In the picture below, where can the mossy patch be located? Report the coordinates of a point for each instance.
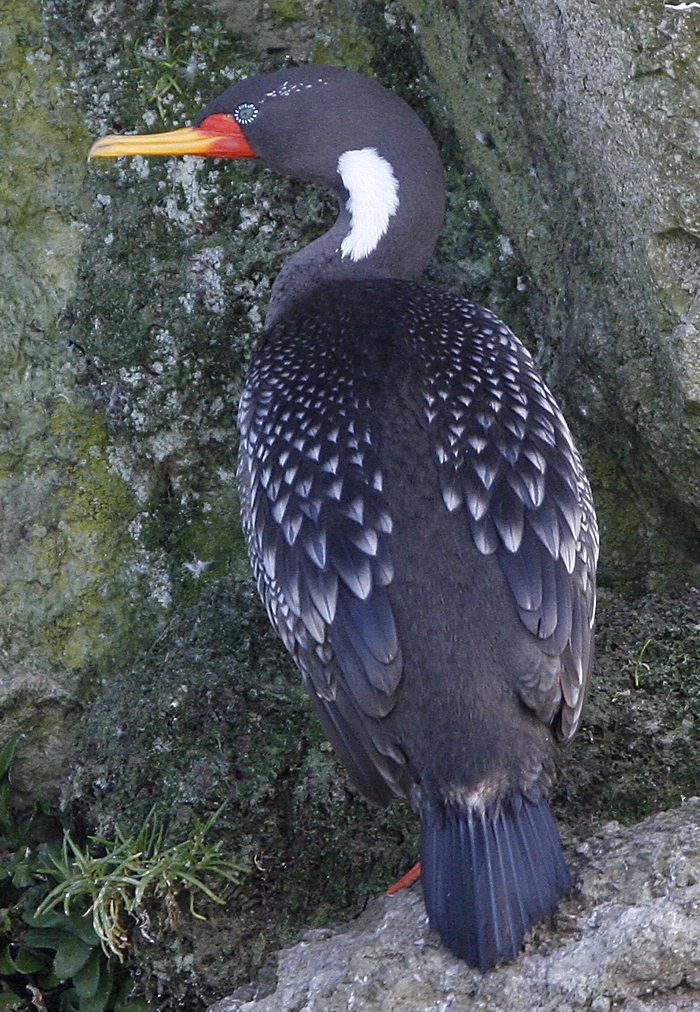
(88, 550)
(68, 579)
(285, 11)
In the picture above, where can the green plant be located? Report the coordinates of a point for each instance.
(167, 65)
(66, 911)
(13, 832)
(57, 957)
(164, 69)
(640, 664)
(78, 973)
(130, 871)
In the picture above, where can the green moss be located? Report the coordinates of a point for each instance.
(349, 48)
(352, 51)
(284, 11)
(40, 134)
(344, 40)
(92, 493)
(68, 585)
(88, 548)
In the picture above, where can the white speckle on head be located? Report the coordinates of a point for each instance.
(287, 88)
(373, 200)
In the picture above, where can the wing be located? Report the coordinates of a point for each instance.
(317, 529)
(505, 455)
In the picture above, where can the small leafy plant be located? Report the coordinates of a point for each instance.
(640, 665)
(130, 871)
(75, 972)
(67, 911)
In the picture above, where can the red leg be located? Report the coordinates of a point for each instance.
(408, 879)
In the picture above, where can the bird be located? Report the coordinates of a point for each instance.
(418, 518)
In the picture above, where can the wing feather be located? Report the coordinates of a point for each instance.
(318, 531)
(505, 455)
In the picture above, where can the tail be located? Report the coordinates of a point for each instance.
(489, 876)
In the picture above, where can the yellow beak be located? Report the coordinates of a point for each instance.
(219, 136)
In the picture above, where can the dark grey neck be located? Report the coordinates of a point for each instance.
(321, 261)
(310, 267)
(402, 252)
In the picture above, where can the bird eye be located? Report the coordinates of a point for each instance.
(245, 113)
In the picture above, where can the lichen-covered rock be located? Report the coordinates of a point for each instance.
(628, 938)
(75, 588)
(581, 119)
(302, 30)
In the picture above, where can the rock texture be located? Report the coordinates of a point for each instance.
(582, 119)
(628, 939)
(71, 589)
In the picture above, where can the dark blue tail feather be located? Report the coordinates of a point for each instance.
(489, 876)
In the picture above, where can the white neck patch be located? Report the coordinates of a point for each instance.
(373, 200)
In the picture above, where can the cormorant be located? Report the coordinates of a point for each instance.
(418, 518)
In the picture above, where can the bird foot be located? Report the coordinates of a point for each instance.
(407, 880)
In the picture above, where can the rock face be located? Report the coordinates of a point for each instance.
(629, 938)
(582, 119)
(71, 591)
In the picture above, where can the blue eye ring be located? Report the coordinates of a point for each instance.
(245, 113)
